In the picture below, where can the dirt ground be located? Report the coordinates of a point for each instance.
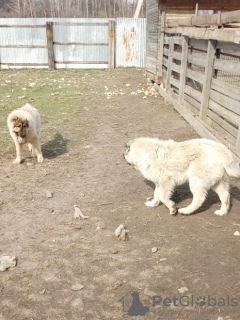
(195, 272)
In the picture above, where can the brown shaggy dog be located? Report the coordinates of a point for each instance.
(24, 127)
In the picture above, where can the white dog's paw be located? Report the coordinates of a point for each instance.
(151, 204)
(17, 161)
(184, 211)
(173, 211)
(220, 212)
(40, 158)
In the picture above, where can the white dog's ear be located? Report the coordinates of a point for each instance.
(126, 148)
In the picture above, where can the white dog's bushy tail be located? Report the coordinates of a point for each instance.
(233, 169)
(231, 166)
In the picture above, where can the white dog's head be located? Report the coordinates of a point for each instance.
(19, 126)
(140, 151)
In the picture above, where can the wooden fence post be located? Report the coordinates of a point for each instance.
(160, 49)
(111, 41)
(50, 45)
(169, 64)
(183, 68)
(238, 141)
(207, 79)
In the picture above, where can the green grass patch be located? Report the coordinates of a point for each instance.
(59, 95)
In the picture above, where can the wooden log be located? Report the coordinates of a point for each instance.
(50, 45)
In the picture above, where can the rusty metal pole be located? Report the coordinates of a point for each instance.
(111, 44)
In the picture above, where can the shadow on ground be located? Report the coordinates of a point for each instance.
(55, 147)
(182, 193)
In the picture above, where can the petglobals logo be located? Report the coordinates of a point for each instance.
(135, 304)
(191, 301)
(132, 306)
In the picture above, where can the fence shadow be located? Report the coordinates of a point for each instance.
(55, 147)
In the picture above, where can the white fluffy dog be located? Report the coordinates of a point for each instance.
(204, 163)
(24, 127)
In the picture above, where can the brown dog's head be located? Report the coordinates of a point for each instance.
(20, 126)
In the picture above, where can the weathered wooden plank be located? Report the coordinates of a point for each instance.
(179, 22)
(228, 46)
(176, 67)
(226, 89)
(190, 107)
(222, 123)
(193, 93)
(199, 77)
(161, 46)
(49, 32)
(225, 35)
(226, 102)
(177, 55)
(166, 52)
(199, 44)
(177, 40)
(152, 35)
(203, 129)
(197, 60)
(207, 79)
(222, 134)
(175, 82)
(165, 62)
(167, 40)
(169, 64)
(207, 20)
(227, 65)
(183, 70)
(193, 102)
(225, 113)
(238, 141)
(111, 41)
(173, 30)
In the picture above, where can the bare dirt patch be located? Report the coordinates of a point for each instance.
(87, 116)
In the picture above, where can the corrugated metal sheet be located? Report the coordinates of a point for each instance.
(75, 46)
(130, 42)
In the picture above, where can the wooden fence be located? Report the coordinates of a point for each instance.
(199, 72)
